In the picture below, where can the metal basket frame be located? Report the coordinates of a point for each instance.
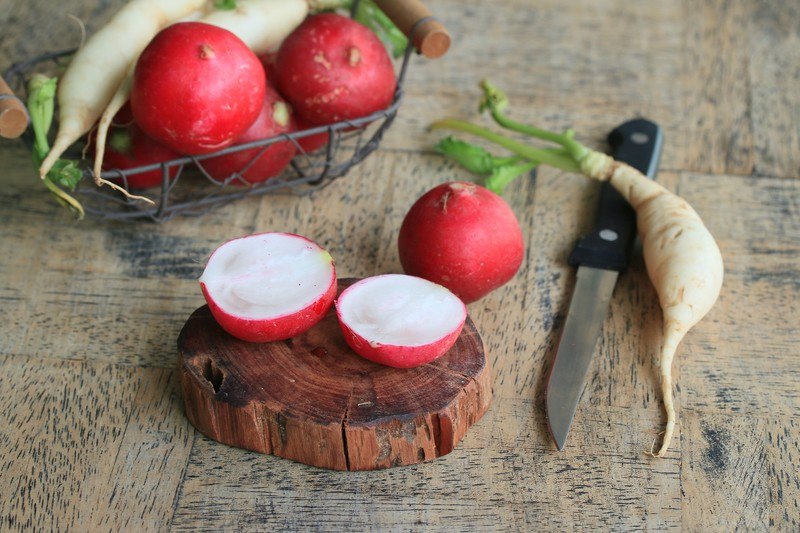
(306, 173)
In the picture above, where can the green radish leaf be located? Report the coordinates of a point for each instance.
(472, 157)
(66, 174)
(503, 175)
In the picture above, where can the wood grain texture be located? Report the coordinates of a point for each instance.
(93, 435)
(89, 446)
(313, 400)
(503, 477)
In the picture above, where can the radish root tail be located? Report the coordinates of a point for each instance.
(672, 336)
(117, 102)
(100, 182)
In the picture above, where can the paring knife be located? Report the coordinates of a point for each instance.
(600, 256)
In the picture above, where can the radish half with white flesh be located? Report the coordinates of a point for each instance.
(400, 321)
(269, 286)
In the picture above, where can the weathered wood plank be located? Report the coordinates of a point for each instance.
(505, 475)
(717, 120)
(774, 66)
(742, 357)
(89, 446)
(34, 27)
(783, 449)
(724, 473)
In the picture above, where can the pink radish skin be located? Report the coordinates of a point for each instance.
(462, 236)
(332, 68)
(277, 255)
(363, 339)
(398, 356)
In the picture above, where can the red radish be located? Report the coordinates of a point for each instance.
(268, 61)
(269, 286)
(197, 87)
(462, 236)
(275, 118)
(310, 143)
(398, 320)
(332, 68)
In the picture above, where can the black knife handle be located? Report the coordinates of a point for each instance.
(638, 143)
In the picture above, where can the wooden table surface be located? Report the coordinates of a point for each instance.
(92, 430)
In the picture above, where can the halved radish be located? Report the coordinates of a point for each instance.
(269, 286)
(398, 320)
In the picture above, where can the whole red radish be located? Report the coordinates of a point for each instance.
(332, 68)
(269, 286)
(398, 320)
(462, 236)
(275, 118)
(196, 88)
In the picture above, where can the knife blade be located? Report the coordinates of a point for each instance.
(599, 256)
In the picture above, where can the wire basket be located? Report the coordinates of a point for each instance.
(188, 189)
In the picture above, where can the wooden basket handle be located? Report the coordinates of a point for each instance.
(431, 38)
(13, 115)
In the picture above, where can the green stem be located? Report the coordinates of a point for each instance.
(225, 5)
(496, 101)
(510, 160)
(548, 157)
(41, 106)
(328, 5)
(41, 97)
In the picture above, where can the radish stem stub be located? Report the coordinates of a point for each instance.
(398, 320)
(269, 286)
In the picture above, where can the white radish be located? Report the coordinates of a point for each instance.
(98, 68)
(261, 24)
(682, 258)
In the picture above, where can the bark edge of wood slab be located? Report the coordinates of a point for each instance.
(311, 399)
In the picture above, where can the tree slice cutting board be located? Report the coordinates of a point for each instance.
(313, 400)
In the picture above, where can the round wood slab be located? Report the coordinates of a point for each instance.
(313, 400)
